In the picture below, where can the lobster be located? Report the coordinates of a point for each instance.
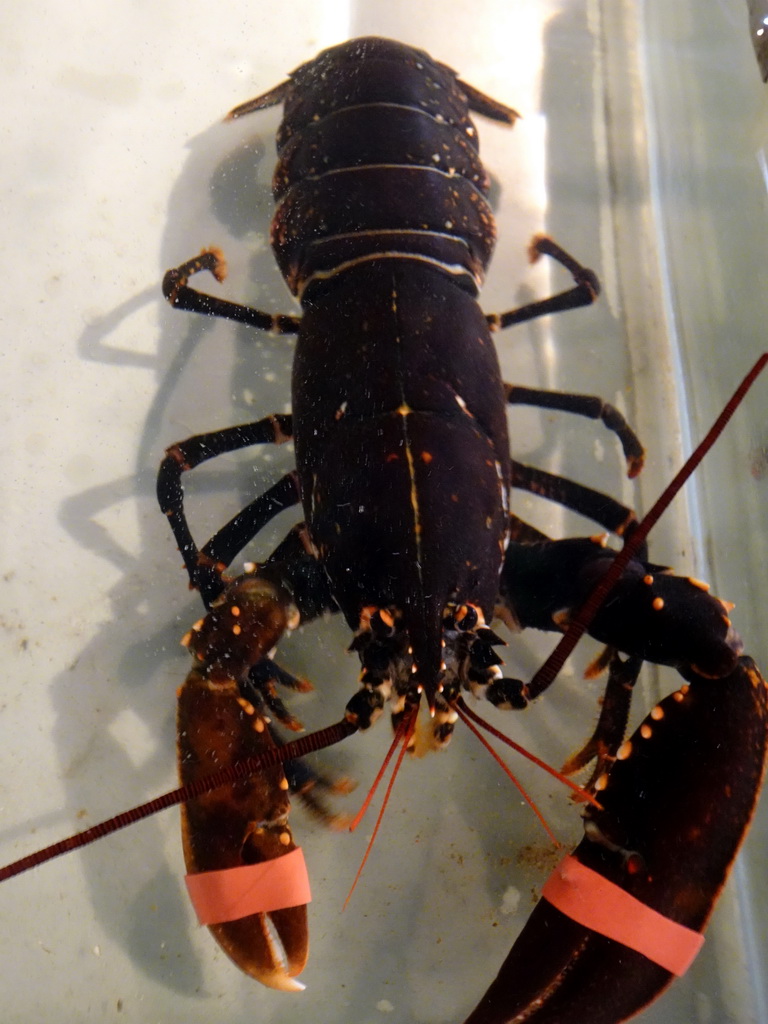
(403, 471)
(383, 231)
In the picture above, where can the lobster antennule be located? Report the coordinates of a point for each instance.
(700, 754)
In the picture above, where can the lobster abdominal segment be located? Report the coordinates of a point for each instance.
(376, 119)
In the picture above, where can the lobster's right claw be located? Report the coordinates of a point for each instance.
(676, 807)
(270, 945)
(251, 948)
(243, 864)
(247, 878)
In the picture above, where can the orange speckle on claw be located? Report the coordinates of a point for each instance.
(698, 583)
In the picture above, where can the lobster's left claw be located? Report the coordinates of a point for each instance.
(675, 810)
(236, 826)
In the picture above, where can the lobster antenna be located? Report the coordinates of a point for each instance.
(510, 775)
(406, 729)
(466, 713)
(226, 776)
(399, 733)
(583, 618)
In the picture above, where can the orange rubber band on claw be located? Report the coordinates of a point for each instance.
(230, 894)
(591, 900)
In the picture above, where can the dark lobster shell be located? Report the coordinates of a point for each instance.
(384, 231)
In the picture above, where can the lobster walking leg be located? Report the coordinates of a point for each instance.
(181, 296)
(205, 566)
(697, 759)
(590, 406)
(608, 512)
(584, 293)
(611, 725)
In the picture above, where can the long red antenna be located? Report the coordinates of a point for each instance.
(511, 776)
(466, 714)
(403, 727)
(406, 730)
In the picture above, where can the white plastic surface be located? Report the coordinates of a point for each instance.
(115, 167)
